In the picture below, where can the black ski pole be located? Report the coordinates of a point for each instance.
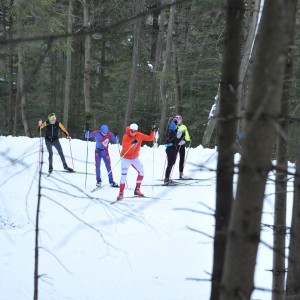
(87, 127)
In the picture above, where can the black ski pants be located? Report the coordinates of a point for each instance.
(56, 144)
(171, 156)
(181, 158)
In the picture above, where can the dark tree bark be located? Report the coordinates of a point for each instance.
(177, 84)
(68, 66)
(279, 268)
(155, 99)
(212, 121)
(87, 60)
(293, 274)
(10, 92)
(21, 79)
(139, 4)
(51, 105)
(226, 134)
(155, 30)
(251, 24)
(166, 68)
(262, 112)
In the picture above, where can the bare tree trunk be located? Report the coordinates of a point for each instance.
(68, 66)
(21, 78)
(212, 121)
(157, 61)
(87, 61)
(11, 103)
(166, 68)
(139, 4)
(293, 274)
(155, 30)
(52, 104)
(252, 24)
(282, 161)
(263, 109)
(279, 229)
(226, 134)
(177, 85)
(102, 69)
(17, 106)
(78, 62)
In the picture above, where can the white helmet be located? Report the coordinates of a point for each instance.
(134, 127)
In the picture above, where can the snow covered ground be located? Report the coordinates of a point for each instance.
(139, 249)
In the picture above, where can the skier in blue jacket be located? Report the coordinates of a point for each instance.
(102, 137)
(171, 149)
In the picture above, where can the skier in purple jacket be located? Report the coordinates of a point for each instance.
(102, 137)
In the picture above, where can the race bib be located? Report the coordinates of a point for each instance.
(105, 142)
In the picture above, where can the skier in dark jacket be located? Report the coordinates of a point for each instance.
(52, 127)
(172, 149)
(184, 139)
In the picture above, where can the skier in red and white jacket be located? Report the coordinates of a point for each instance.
(131, 145)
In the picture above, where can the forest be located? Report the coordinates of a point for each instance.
(109, 62)
(230, 68)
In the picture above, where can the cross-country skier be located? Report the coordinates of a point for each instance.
(52, 127)
(184, 139)
(102, 137)
(131, 144)
(172, 149)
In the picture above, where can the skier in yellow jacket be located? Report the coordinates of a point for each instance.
(184, 139)
(52, 127)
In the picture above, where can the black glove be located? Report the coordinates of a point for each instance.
(134, 141)
(115, 133)
(87, 126)
(154, 128)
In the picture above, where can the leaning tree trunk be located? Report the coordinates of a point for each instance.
(252, 24)
(139, 4)
(212, 121)
(226, 135)
(262, 112)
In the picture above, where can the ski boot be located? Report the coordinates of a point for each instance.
(67, 168)
(137, 192)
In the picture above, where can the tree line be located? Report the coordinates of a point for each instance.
(114, 63)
